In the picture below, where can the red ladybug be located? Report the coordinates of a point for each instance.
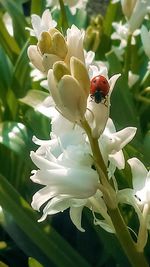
(99, 88)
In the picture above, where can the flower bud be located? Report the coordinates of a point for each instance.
(59, 45)
(48, 60)
(45, 43)
(68, 95)
(79, 72)
(127, 7)
(60, 69)
(35, 57)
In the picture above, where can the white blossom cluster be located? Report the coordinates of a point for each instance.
(66, 166)
(135, 11)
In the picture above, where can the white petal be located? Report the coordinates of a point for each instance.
(47, 20)
(126, 196)
(75, 44)
(112, 82)
(139, 173)
(145, 36)
(36, 22)
(79, 183)
(42, 196)
(76, 216)
(57, 204)
(43, 163)
(97, 116)
(138, 14)
(53, 88)
(124, 136)
(117, 159)
(105, 226)
(35, 57)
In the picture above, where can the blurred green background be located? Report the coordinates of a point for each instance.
(57, 242)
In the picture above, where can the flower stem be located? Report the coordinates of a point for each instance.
(136, 258)
(142, 235)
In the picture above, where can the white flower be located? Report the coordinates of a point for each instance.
(141, 184)
(98, 114)
(75, 44)
(72, 4)
(122, 33)
(145, 36)
(139, 198)
(42, 24)
(112, 143)
(141, 181)
(135, 11)
(68, 179)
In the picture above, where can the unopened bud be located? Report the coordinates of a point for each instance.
(45, 43)
(60, 69)
(79, 72)
(59, 45)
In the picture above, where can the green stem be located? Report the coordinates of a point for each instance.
(142, 234)
(135, 257)
(146, 79)
(63, 20)
(95, 147)
(143, 99)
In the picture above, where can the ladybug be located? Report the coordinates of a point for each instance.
(99, 89)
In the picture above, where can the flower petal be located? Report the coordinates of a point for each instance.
(35, 57)
(79, 183)
(97, 116)
(76, 216)
(139, 173)
(112, 82)
(55, 205)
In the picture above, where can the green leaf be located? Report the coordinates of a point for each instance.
(38, 123)
(15, 136)
(34, 263)
(55, 248)
(2, 264)
(16, 13)
(122, 106)
(5, 76)
(37, 7)
(8, 42)
(110, 17)
(21, 75)
(34, 98)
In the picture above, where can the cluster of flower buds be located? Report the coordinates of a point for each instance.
(63, 60)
